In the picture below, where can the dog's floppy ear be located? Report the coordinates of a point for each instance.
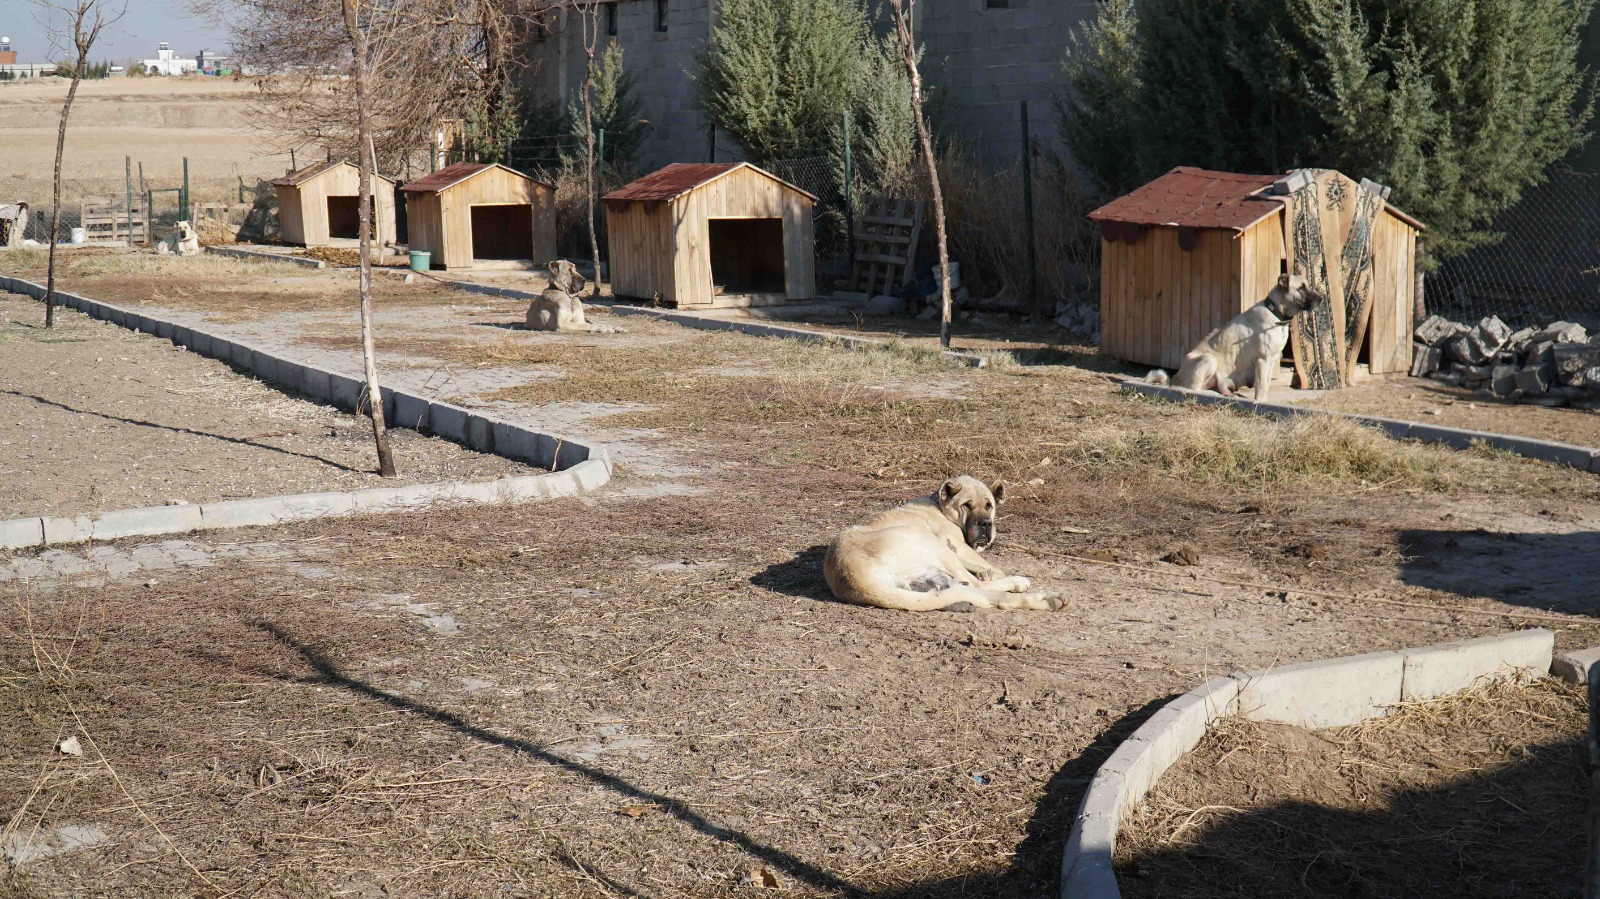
(1283, 280)
(998, 488)
(948, 491)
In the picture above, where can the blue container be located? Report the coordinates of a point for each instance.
(421, 260)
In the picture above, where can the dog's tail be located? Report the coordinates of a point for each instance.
(1158, 376)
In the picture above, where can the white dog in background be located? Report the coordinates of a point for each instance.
(183, 241)
(1245, 352)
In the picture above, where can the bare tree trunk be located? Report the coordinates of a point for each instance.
(591, 36)
(367, 168)
(904, 11)
(55, 210)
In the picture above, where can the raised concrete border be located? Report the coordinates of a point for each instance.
(1326, 693)
(265, 256)
(574, 467)
(1583, 458)
(705, 322)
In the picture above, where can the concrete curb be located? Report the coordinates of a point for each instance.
(1325, 693)
(1583, 458)
(574, 467)
(263, 256)
(707, 323)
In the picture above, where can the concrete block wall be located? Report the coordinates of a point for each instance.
(1324, 693)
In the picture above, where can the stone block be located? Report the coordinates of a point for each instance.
(1094, 828)
(1533, 380)
(316, 385)
(1433, 671)
(1562, 332)
(526, 488)
(1542, 450)
(21, 533)
(1436, 329)
(182, 336)
(1503, 379)
(164, 329)
(245, 513)
(291, 377)
(1219, 695)
(1572, 358)
(199, 343)
(410, 411)
(1465, 350)
(447, 421)
(145, 522)
(118, 317)
(591, 474)
(1092, 877)
(242, 356)
(1327, 693)
(1425, 359)
(514, 442)
(67, 530)
(1573, 666)
(1491, 333)
(318, 505)
(345, 392)
(480, 433)
(264, 365)
(220, 350)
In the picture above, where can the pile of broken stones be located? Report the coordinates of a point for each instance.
(1557, 365)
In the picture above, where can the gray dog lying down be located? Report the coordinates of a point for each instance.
(1245, 352)
(558, 308)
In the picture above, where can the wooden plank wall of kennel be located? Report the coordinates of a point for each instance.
(659, 232)
(439, 210)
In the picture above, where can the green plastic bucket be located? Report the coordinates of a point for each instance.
(421, 260)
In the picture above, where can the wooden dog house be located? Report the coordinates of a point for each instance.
(478, 214)
(1185, 253)
(712, 235)
(318, 206)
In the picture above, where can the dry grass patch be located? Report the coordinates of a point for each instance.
(1473, 795)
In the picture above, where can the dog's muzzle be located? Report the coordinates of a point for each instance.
(980, 534)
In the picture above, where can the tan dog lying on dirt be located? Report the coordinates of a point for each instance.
(183, 241)
(558, 308)
(1245, 351)
(923, 556)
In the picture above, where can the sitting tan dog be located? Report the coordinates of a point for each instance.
(558, 308)
(923, 556)
(183, 241)
(1245, 351)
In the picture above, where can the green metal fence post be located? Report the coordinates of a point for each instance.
(183, 198)
(1027, 203)
(849, 196)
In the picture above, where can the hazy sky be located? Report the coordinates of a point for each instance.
(134, 37)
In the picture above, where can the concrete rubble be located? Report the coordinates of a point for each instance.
(1554, 365)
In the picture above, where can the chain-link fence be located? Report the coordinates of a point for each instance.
(1546, 268)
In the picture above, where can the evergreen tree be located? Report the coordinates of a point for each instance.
(1459, 105)
(778, 75)
(615, 109)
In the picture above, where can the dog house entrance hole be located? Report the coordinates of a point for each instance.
(502, 231)
(344, 217)
(747, 256)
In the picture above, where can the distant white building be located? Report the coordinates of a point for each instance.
(167, 63)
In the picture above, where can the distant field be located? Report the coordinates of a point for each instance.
(155, 121)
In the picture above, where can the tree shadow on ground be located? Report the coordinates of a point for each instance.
(1536, 570)
(176, 429)
(1033, 870)
(1514, 832)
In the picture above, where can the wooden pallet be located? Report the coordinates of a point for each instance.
(886, 246)
(111, 221)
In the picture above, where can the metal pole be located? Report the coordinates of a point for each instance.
(293, 166)
(127, 169)
(183, 198)
(711, 142)
(1591, 873)
(1027, 204)
(849, 197)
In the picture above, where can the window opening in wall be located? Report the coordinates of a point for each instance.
(661, 15)
(611, 19)
(999, 4)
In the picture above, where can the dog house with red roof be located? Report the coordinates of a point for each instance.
(712, 235)
(1188, 251)
(482, 215)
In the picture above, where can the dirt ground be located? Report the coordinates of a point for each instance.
(649, 691)
(1430, 402)
(1480, 795)
(156, 122)
(96, 417)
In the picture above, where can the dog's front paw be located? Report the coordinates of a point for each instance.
(1020, 584)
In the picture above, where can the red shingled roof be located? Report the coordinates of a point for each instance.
(295, 179)
(1194, 198)
(451, 175)
(679, 178)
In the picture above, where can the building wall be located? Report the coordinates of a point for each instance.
(984, 62)
(659, 61)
